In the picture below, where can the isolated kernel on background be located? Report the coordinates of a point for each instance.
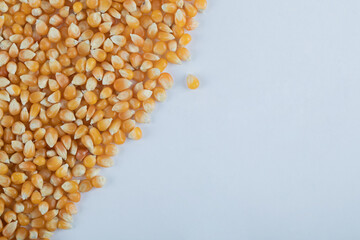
(192, 82)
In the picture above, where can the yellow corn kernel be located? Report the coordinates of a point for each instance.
(77, 7)
(180, 18)
(183, 54)
(106, 137)
(89, 161)
(111, 150)
(62, 224)
(190, 10)
(185, 39)
(90, 97)
(54, 163)
(157, 16)
(166, 81)
(62, 171)
(135, 134)
(132, 21)
(104, 161)
(200, 4)
(159, 94)
(192, 82)
(94, 19)
(144, 94)
(161, 64)
(98, 181)
(119, 137)
(98, 150)
(70, 186)
(18, 177)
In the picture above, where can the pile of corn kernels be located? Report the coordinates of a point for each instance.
(76, 77)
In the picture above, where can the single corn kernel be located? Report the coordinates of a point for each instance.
(135, 134)
(192, 82)
(98, 181)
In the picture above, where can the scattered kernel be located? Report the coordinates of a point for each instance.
(192, 82)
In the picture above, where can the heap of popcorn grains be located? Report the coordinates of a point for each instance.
(75, 79)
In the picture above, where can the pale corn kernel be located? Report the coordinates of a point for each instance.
(70, 186)
(9, 229)
(71, 208)
(75, 197)
(11, 192)
(43, 207)
(169, 7)
(107, 138)
(172, 46)
(144, 94)
(132, 21)
(37, 180)
(137, 40)
(180, 18)
(166, 81)
(62, 224)
(111, 150)
(191, 24)
(85, 185)
(78, 170)
(168, 19)
(54, 35)
(142, 117)
(164, 36)
(159, 94)
(149, 105)
(87, 142)
(73, 30)
(98, 181)
(126, 73)
(104, 161)
(153, 73)
(94, 19)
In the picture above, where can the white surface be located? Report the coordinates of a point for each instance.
(266, 149)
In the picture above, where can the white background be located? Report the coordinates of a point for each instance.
(266, 149)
